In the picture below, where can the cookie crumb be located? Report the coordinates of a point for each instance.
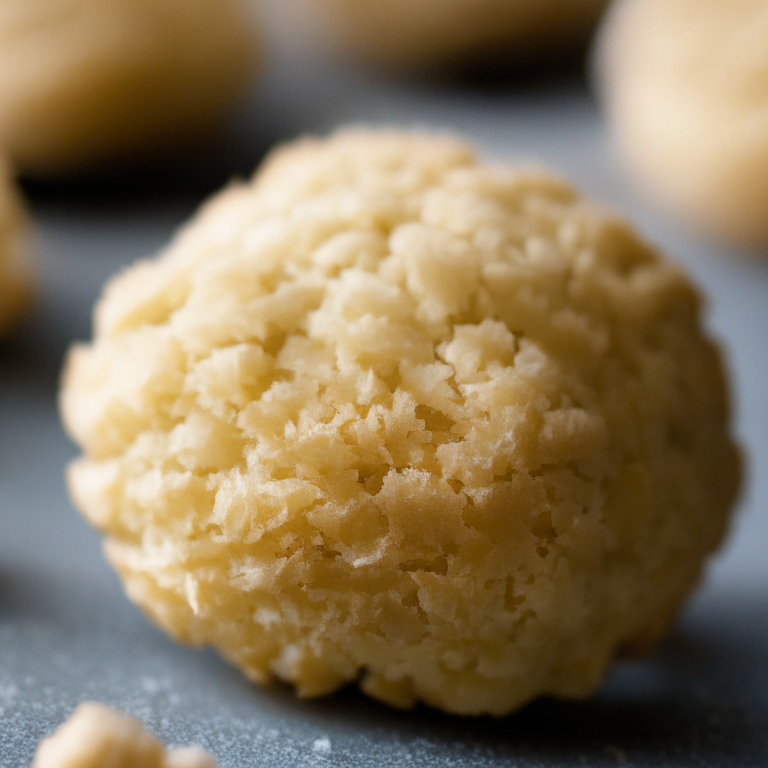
(322, 745)
(95, 736)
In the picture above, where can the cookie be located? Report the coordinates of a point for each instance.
(96, 736)
(388, 414)
(85, 82)
(684, 85)
(433, 34)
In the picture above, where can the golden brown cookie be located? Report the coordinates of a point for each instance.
(84, 82)
(685, 88)
(389, 414)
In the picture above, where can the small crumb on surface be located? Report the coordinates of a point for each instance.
(96, 736)
(188, 757)
(322, 745)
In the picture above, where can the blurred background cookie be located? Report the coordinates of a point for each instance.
(84, 82)
(431, 34)
(684, 84)
(14, 253)
(389, 414)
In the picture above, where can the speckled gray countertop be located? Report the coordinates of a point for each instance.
(68, 634)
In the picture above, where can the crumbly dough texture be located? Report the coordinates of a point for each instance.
(88, 81)
(98, 737)
(421, 34)
(388, 414)
(685, 87)
(15, 274)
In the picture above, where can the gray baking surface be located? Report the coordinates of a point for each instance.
(67, 633)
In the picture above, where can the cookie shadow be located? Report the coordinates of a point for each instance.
(182, 173)
(28, 365)
(701, 700)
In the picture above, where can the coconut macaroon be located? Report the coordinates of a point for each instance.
(96, 736)
(429, 34)
(89, 81)
(14, 253)
(387, 414)
(685, 87)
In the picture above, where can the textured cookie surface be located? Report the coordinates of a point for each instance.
(85, 81)
(430, 33)
(98, 737)
(685, 86)
(392, 415)
(14, 254)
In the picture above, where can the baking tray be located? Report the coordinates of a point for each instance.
(67, 633)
